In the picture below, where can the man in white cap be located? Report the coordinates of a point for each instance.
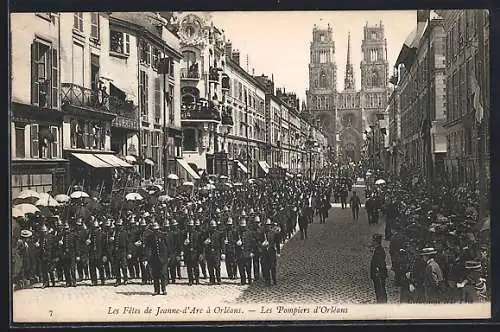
(157, 247)
(433, 277)
(214, 249)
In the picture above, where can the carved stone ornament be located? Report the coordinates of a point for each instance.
(191, 30)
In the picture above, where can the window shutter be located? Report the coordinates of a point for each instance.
(127, 43)
(55, 141)
(55, 79)
(157, 98)
(35, 148)
(34, 74)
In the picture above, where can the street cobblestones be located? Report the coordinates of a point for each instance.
(331, 266)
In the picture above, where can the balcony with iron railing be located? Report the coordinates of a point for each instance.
(200, 111)
(122, 111)
(192, 74)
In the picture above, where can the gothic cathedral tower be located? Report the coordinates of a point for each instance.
(374, 73)
(323, 80)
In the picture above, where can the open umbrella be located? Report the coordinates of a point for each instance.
(27, 194)
(134, 197)
(209, 186)
(24, 208)
(130, 159)
(79, 194)
(188, 183)
(62, 198)
(228, 184)
(237, 184)
(380, 181)
(46, 200)
(164, 198)
(223, 177)
(172, 177)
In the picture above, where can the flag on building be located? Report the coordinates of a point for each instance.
(476, 92)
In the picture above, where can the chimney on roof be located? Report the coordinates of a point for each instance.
(236, 57)
(228, 49)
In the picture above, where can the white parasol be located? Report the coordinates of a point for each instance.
(79, 194)
(188, 183)
(46, 200)
(62, 198)
(27, 194)
(380, 181)
(172, 177)
(24, 208)
(134, 197)
(164, 198)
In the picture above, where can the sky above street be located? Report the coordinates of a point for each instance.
(278, 42)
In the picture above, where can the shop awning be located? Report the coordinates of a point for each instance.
(92, 160)
(241, 166)
(188, 168)
(112, 160)
(264, 165)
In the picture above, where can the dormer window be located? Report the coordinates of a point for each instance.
(322, 37)
(374, 35)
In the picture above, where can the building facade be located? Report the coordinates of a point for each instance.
(346, 114)
(468, 95)
(422, 97)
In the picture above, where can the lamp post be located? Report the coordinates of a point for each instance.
(164, 69)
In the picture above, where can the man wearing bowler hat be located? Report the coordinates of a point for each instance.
(378, 269)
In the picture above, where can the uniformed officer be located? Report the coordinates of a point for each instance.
(214, 249)
(245, 247)
(96, 245)
(177, 242)
(120, 253)
(107, 250)
(45, 243)
(134, 235)
(256, 259)
(230, 248)
(270, 249)
(191, 253)
(158, 257)
(201, 259)
(82, 250)
(142, 254)
(68, 258)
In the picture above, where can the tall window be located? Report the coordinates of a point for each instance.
(78, 21)
(155, 148)
(78, 64)
(94, 71)
(44, 75)
(144, 91)
(119, 42)
(94, 26)
(322, 80)
(35, 144)
(145, 52)
(20, 142)
(170, 103)
(54, 145)
(189, 139)
(189, 59)
(157, 99)
(375, 78)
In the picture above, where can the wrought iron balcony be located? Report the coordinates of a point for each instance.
(75, 95)
(199, 112)
(190, 74)
(227, 119)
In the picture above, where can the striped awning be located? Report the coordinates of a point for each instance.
(264, 165)
(188, 168)
(241, 166)
(92, 160)
(113, 160)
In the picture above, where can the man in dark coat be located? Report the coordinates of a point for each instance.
(120, 252)
(45, 244)
(270, 249)
(433, 277)
(96, 245)
(82, 250)
(107, 250)
(158, 258)
(191, 253)
(245, 247)
(303, 224)
(355, 204)
(230, 248)
(214, 249)
(378, 269)
(68, 243)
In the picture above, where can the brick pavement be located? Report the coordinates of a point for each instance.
(332, 266)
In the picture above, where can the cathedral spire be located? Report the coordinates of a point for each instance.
(349, 71)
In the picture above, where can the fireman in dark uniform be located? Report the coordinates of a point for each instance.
(230, 248)
(191, 253)
(96, 252)
(107, 233)
(134, 236)
(68, 258)
(120, 253)
(258, 233)
(270, 250)
(82, 254)
(177, 234)
(244, 252)
(158, 258)
(45, 243)
(214, 249)
(201, 259)
(142, 254)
